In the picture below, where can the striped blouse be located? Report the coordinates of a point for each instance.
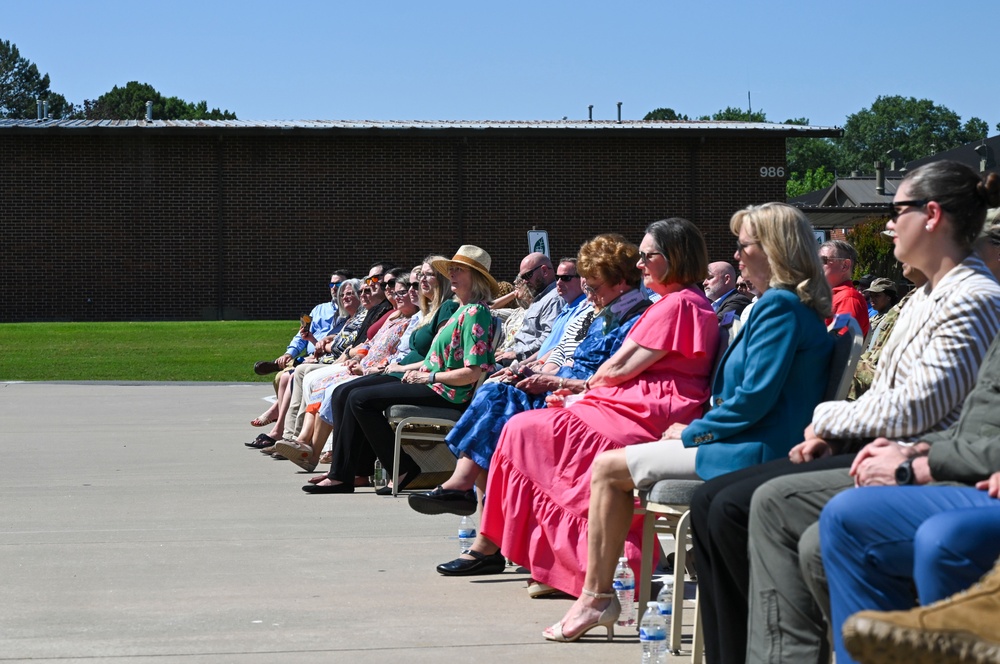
(928, 364)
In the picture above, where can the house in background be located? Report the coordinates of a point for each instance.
(857, 198)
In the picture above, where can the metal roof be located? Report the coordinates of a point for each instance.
(457, 126)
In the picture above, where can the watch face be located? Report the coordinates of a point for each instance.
(904, 472)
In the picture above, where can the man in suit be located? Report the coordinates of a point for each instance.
(720, 288)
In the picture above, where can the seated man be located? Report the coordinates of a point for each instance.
(537, 272)
(878, 541)
(720, 288)
(839, 259)
(322, 318)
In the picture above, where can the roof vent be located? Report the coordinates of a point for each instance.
(619, 112)
(149, 111)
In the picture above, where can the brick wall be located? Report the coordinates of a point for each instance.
(128, 226)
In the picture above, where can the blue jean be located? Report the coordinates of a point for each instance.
(879, 541)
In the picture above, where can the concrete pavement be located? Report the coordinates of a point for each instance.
(136, 527)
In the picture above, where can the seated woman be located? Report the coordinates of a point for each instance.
(660, 376)
(374, 360)
(351, 307)
(607, 259)
(460, 352)
(763, 394)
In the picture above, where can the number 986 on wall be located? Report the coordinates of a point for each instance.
(772, 171)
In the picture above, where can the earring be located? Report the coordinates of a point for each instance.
(927, 227)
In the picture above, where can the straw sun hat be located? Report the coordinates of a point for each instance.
(472, 257)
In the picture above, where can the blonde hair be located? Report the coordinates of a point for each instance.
(441, 294)
(785, 236)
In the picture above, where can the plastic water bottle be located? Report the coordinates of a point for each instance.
(653, 636)
(665, 601)
(466, 534)
(379, 479)
(624, 586)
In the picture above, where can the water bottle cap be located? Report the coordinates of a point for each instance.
(652, 605)
(623, 559)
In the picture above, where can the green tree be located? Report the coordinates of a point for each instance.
(916, 127)
(21, 84)
(129, 103)
(733, 114)
(811, 180)
(874, 252)
(664, 114)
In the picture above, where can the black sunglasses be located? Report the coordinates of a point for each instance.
(567, 277)
(894, 210)
(527, 275)
(414, 285)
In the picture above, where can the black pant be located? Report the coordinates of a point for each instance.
(357, 460)
(363, 428)
(720, 511)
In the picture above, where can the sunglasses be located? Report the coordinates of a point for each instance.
(895, 212)
(742, 246)
(373, 281)
(567, 277)
(644, 256)
(391, 283)
(827, 260)
(401, 293)
(414, 285)
(527, 275)
(334, 284)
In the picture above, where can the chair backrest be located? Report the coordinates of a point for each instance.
(847, 344)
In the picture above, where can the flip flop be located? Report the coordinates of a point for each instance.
(261, 422)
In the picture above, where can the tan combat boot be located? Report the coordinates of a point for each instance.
(962, 629)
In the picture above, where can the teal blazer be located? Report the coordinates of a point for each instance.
(764, 391)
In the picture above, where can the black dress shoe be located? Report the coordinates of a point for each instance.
(494, 563)
(333, 488)
(444, 501)
(265, 368)
(408, 477)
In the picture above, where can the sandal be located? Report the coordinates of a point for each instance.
(607, 620)
(326, 458)
(261, 421)
(261, 441)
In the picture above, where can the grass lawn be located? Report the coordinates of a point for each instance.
(189, 351)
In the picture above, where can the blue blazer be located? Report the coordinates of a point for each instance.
(765, 389)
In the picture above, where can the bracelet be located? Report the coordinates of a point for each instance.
(586, 385)
(562, 382)
(433, 377)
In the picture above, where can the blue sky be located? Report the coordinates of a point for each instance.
(519, 60)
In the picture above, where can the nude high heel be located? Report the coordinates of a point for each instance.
(607, 620)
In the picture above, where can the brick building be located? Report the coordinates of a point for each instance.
(165, 220)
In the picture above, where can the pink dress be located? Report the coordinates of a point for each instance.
(538, 493)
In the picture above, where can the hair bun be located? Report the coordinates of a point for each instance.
(989, 190)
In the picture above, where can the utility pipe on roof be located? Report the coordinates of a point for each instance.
(38, 103)
(879, 177)
(619, 112)
(590, 113)
(149, 111)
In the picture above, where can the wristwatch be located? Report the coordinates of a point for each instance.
(904, 473)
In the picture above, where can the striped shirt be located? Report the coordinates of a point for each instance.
(575, 332)
(928, 364)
